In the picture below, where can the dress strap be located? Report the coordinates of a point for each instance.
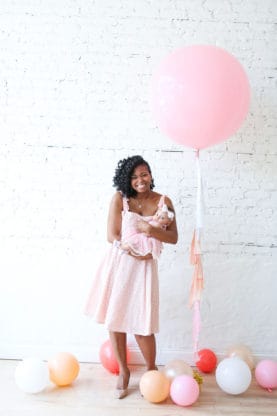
(161, 201)
(125, 204)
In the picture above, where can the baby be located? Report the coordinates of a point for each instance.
(139, 244)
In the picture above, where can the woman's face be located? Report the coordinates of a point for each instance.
(141, 179)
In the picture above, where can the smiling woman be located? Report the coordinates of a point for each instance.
(141, 179)
(125, 291)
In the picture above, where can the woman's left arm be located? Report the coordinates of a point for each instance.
(170, 235)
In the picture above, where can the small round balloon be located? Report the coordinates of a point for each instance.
(108, 359)
(154, 386)
(233, 375)
(184, 390)
(207, 360)
(64, 368)
(266, 374)
(32, 375)
(175, 368)
(199, 95)
(244, 352)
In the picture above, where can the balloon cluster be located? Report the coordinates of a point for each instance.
(33, 375)
(234, 373)
(177, 381)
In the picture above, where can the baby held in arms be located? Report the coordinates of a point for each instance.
(139, 244)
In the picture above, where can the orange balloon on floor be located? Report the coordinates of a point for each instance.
(154, 386)
(63, 368)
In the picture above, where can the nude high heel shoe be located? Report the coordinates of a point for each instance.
(121, 391)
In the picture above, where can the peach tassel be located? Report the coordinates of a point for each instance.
(196, 288)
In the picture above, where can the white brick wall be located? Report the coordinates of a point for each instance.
(74, 79)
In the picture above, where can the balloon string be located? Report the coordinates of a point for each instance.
(195, 258)
(199, 199)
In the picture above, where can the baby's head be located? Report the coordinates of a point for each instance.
(164, 215)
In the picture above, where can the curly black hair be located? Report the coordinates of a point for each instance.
(123, 173)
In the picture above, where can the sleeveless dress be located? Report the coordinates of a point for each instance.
(125, 291)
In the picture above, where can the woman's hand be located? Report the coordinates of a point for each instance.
(147, 257)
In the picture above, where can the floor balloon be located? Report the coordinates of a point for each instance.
(233, 375)
(32, 375)
(154, 386)
(63, 368)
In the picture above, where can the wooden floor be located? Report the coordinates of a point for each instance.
(92, 395)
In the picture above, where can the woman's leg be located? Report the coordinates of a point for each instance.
(147, 345)
(118, 341)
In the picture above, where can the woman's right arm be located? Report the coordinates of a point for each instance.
(115, 218)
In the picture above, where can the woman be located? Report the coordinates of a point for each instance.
(125, 293)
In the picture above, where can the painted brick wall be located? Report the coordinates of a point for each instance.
(74, 79)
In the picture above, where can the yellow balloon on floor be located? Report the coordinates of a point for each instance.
(63, 368)
(244, 352)
(154, 386)
(176, 368)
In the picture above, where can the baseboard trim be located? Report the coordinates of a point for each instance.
(90, 354)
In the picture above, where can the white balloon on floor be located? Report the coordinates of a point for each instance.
(32, 375)
(233, 375)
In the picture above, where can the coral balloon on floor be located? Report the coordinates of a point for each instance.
(108, 359)
(207, 360)
(154, 386)
(200, 95)
(32, 375)
(64, 368)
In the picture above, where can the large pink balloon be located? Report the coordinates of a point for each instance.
(200, 95)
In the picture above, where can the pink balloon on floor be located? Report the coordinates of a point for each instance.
(184, 390)
(200, 95)
(266, 374)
